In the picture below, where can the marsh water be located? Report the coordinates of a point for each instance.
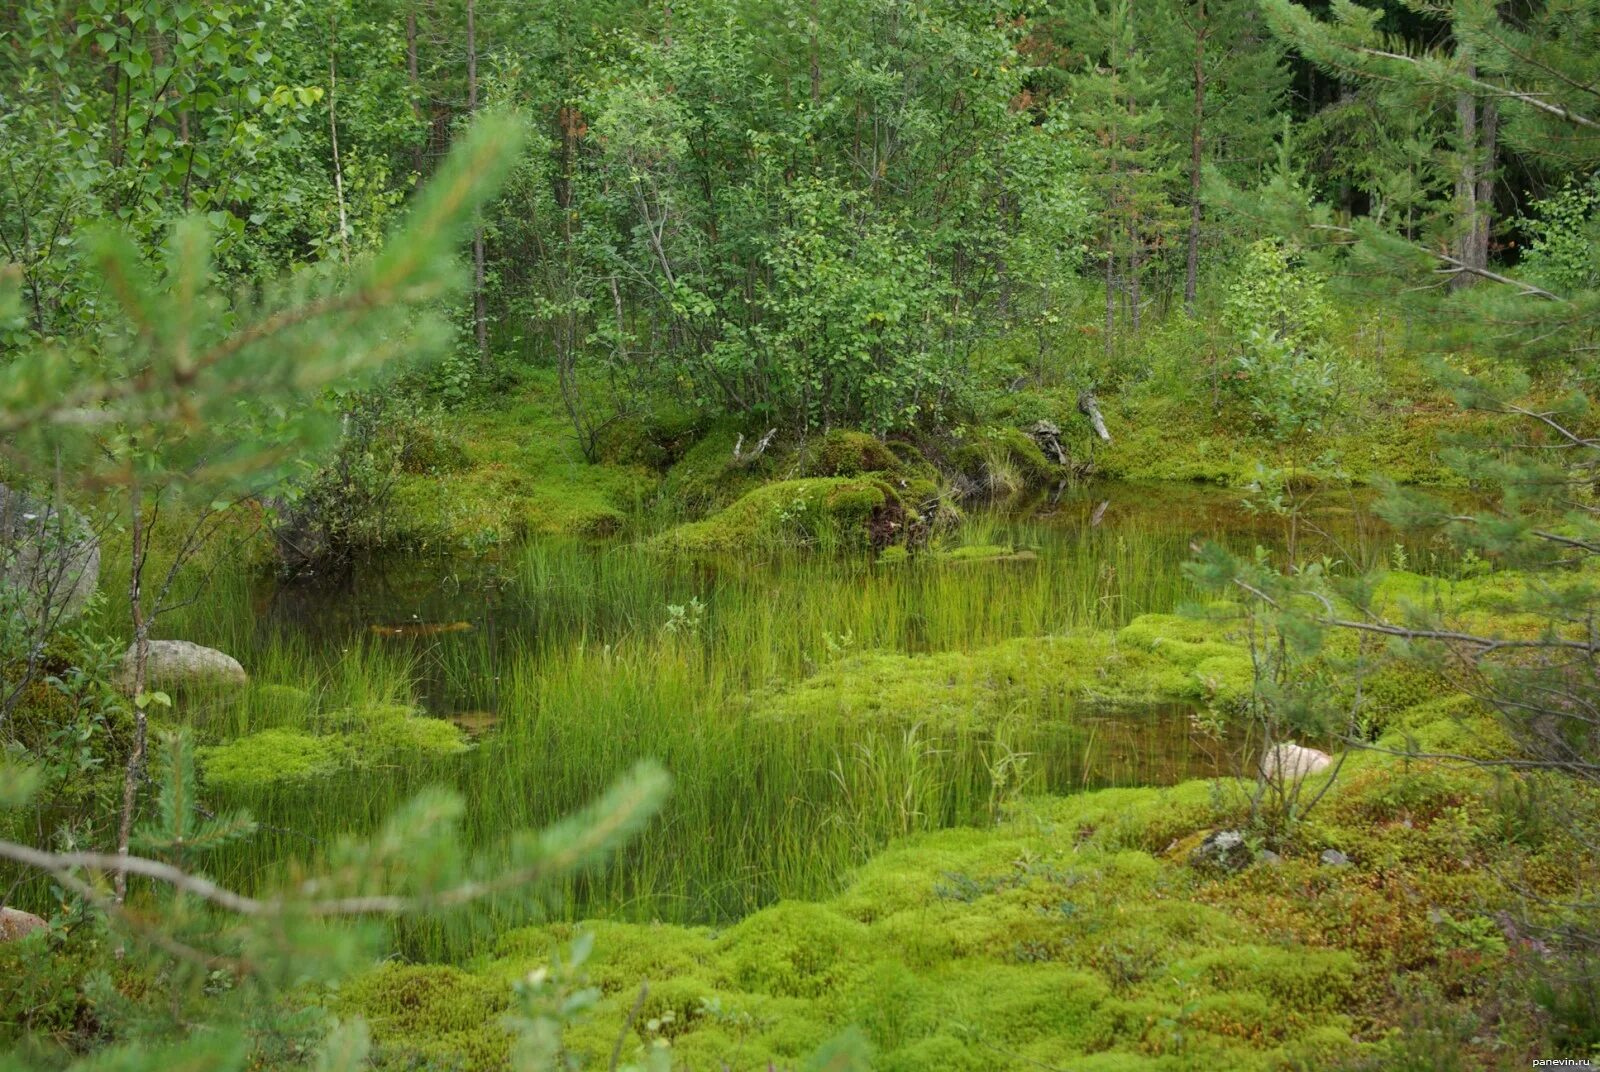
(567, 662)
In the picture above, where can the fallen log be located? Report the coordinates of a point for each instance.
(1089, 406)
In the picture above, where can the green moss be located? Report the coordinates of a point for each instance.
(1156, 658)
(1305, 980)
(274, 758)
(793, 949)
(707, 477)
(846, 453)
(522, 473)
(427, 449)
(822, 512)
(1072, 935)
(1163, 438)
(420, 1015)
(359, 738)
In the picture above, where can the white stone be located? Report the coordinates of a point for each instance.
(179, 663)
(1288, 761)
(14, 923)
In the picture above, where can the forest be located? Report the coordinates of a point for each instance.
(836, 535)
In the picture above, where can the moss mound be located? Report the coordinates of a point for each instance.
(1058, 939)
(1157, 658)
(357, 739)
(707, 477)
(516, 470)
(820, 512)
(847, 453)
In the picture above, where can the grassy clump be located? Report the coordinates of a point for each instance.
(1002, 460)
(362, 738)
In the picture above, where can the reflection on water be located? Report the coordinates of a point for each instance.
(567, 662)
(1120, 547)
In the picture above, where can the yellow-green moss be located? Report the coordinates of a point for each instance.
(707, 477)
(274, 758)
(521, 473)
(827, 512)
(1156, 658)
(358, 738)
(845, 453)
(431, 1016)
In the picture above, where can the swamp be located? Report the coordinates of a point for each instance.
(837, 535)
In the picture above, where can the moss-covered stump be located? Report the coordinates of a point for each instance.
(828, 513)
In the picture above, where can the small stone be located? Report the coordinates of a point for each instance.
(1222, 850)
(1334, 858)
(15, 923)
(1289, 761)
(1270, 858)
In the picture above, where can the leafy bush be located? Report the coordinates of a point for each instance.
(1287, 374)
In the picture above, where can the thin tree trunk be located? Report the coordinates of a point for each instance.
(333, 137)
(816, 60)
(1483, 196)
(1135, 256)
(1196, 151)
(1466, 181)
(416, 86)
(1111, 293)
(134, 771)
(480, 316)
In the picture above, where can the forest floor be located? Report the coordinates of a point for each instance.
(1088, 931)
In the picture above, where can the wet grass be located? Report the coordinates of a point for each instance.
(582, 658)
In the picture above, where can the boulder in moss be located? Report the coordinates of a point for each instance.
(178, 664)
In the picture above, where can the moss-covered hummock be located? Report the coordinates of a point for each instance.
(354, 739)
(824, 512)
(1074, 935)
(1155, 659)
(521, 472)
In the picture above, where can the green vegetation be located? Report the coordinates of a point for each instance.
(1074, 934)
(1090, 509)
(367, 737)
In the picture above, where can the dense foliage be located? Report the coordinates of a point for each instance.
(748, 279)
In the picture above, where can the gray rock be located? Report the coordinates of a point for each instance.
(1289, 761)
(1334, 858)
(1222, 850)
(1270, 858)
(176, 664)
(15, 923)
(48, 555)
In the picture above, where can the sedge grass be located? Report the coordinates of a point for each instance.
(592, 657)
